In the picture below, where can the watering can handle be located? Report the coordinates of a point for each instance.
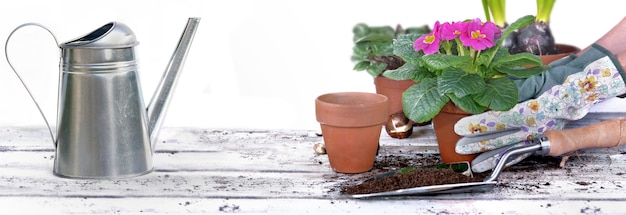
(6, 54)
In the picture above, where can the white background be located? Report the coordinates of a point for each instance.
(253, 64)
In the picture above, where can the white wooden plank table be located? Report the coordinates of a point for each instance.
(207, 171)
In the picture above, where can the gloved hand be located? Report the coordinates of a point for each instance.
(530, 88)
(599, 80)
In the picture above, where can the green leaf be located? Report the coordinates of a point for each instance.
(460, 83)
(360, 30)
(485, 56)
(424, 29)
(422, 102)
(381, 48)
(361, 66)
(406, 71)
(364, 51)
(500, 94)
(364, 33)
(524, 72)
(409, 71)
(522, 59)
(442, 61)
(357, 58)
(361, 51)
(376, 69)
(467, 104)
(375, 38)
(422, 74)
(403, 48)
(367, 49)
(518, 24)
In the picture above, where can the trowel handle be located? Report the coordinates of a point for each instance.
(605, 134)
(6, 54)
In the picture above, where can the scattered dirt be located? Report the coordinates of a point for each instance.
(393, 162)
(229, 208)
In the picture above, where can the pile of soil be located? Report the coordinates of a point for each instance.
(415, 178)
(365, 183)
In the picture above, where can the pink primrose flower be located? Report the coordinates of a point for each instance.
(480, 36)
(450, 31)
(491, 28)
(429, 43)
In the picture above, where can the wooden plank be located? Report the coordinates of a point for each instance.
(273, 167)
(39, 205)
(572, 182)
(213, 170)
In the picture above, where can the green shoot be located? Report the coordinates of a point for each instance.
(495, 9)
(544, 9)
(486, 10)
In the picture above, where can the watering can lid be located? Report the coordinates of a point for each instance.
(110, 35)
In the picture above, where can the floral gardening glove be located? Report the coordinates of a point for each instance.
(530, 88)
(571, 100)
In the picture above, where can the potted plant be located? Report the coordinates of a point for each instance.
(373, 53)
(460, 65)
(535, 38)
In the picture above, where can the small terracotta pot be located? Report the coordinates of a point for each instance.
(443, 124)
(565, 51)
(393, 89)
(351, 124)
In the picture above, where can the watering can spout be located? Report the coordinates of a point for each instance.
(162, 96)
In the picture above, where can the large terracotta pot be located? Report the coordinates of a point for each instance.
(351, 124)
(393, 89)
(565, 51)
(443, 124)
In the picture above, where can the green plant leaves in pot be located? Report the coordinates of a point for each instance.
(373, 47)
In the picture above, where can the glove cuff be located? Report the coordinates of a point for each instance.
(593, 53)
(563, 61)
(530, 88)
(615, 61)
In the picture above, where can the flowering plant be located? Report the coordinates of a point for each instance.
(462, 62)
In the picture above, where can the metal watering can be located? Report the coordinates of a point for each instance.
(104, 131)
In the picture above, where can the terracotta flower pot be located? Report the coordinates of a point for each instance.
(351, 124)
(443, 124)
(565, 51)
(393, 89)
